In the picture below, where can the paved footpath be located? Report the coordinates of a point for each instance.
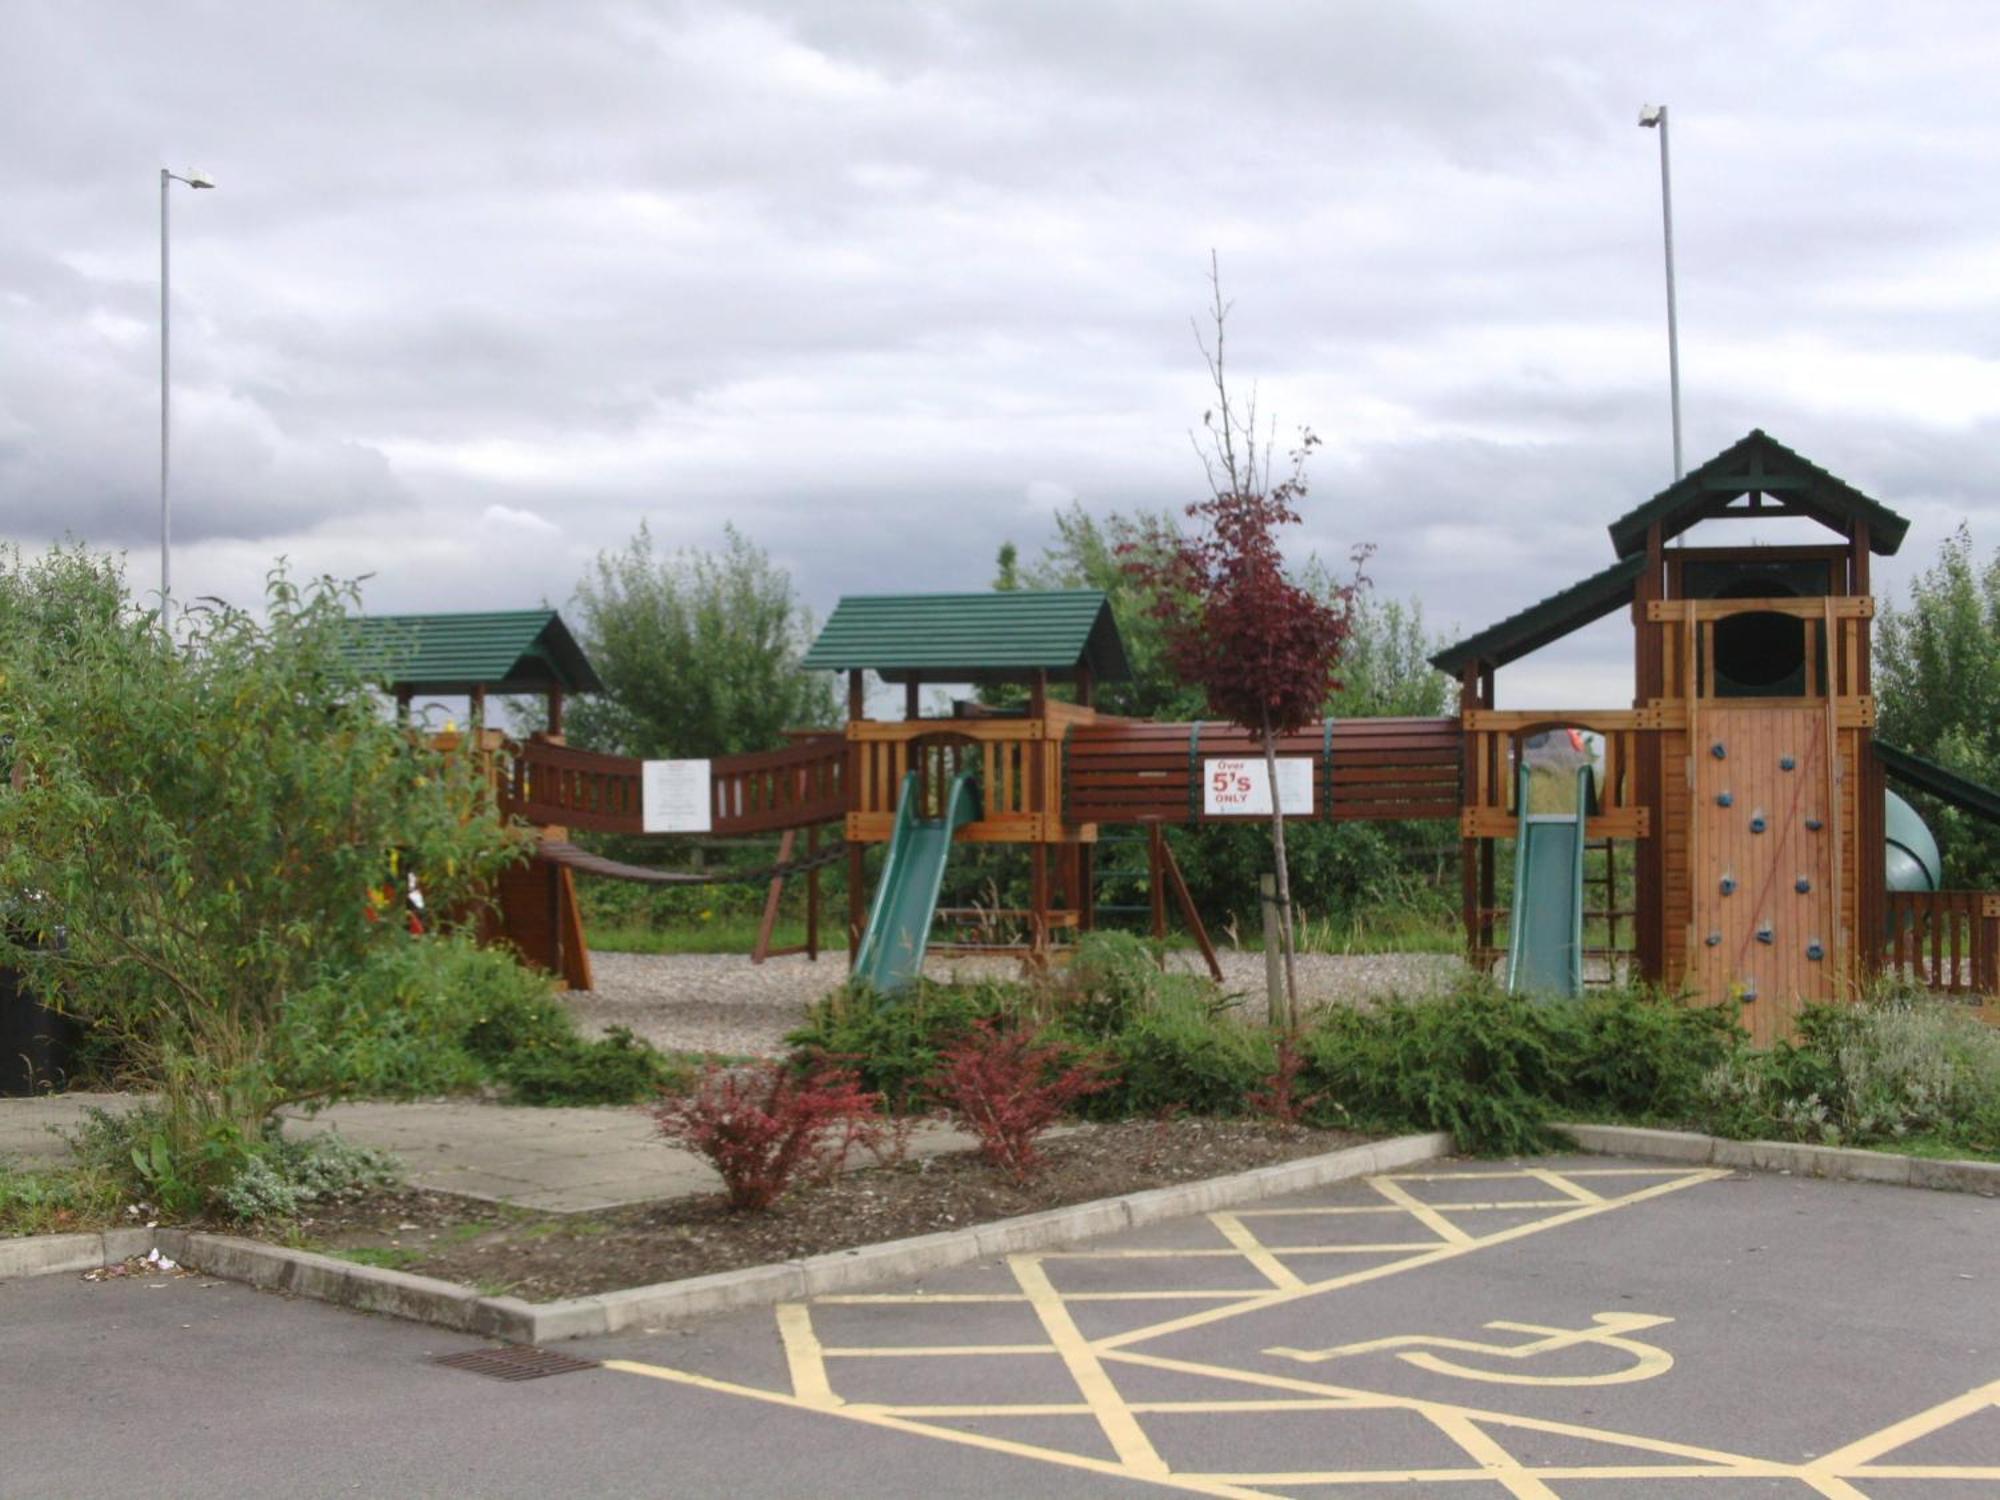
(1577, 1328)
(561, 1160)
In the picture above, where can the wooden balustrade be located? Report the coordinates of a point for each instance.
(1947, 941)
(1020, 787)
(559, 786)
(1492, 737)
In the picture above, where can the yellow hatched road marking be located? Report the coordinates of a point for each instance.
(1128, 1440)
(1907, 1431)
(1562, 1184)
(1254, 1250)
(946, 1434)
(1421, 1211)
(935, 1351)
(1391, 1208)
(804, 1355)
(1277, 1298)
(1481, 1448)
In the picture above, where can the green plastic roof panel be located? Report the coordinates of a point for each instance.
(1553, 618)
(999, 636)
(1946, 785)
(509, 651)
(1759, 464)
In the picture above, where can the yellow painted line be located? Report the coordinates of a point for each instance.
(1205, 1254)
(804, 1355)
(1277, 1298)
(1389, 1208)
(1140, 1408)
(933, 1351)
(1735, 1463)
(1925, 1471)
(945, 1434)
(1562, 1184)
(1421, 1211)
(1832, 1486)
(1606, 1329)
(1898, 1434)
(1255, 1251)
(889, 1299)
(1483, 1449)
(1128, 1440)
(1483, 1476)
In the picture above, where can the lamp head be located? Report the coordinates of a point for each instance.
(198, 180)
(1652, 115)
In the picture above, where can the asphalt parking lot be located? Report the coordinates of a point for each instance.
(1576, 1327)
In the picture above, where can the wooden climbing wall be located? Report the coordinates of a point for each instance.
(1767, 831)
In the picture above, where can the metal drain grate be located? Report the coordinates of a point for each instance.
(515, 1362)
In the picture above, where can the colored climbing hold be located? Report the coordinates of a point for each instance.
(1757, 824)
(1748, 993)
(1813, 825)
(1764, 933)
(1719, 750)
(1729, 885)
(1724, 799)
(1786, 763)
(1815, 950)
(1802, 885)
(1714, 940)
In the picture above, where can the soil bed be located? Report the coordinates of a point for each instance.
(544, 1256)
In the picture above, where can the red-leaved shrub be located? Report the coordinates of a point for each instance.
(762, 1124)
(1278, 1098)
(1006, 1085)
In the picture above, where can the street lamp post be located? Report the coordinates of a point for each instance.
(193, 180)
(1654, 117)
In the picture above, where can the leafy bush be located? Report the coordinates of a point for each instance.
(1861, 1074)
(1636, 1053)
(1185, 1052)
(1477, 1063)
(1111, 980)
(1007, 1084)
(894, 1043)
(213, 822)
(285, 1177)
(442, 1015)
(763, 1124)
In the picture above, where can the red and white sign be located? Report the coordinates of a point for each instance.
(1242, 789)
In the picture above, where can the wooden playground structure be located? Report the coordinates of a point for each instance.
(1728, 840)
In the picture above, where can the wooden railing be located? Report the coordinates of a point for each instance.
(1832, 647)
(558, 786)
(1947, 941)
(1493, 738)
(1016, 761)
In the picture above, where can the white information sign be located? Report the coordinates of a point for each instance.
(673, 796)
(1241, 788)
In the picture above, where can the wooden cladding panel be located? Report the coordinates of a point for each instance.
(1126, 772)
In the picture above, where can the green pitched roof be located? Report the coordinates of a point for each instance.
(509, 651)
(1555, 617)
(998, 636)
(1759, 464)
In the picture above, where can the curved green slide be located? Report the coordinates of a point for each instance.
(899, 920)
(1545, 938)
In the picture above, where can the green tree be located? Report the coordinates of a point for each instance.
(198, 832)
(1937, 679)
(699, 652)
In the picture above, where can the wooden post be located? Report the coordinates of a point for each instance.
(812, 895)
(857, 869)
(1086, 686)
(478, 714)
(912, 707)
(773, 894)
(555, 714)
(403, 696)
(857, 696)
(1188, 912)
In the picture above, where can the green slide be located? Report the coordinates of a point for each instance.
(1545, 945)
(899, 920)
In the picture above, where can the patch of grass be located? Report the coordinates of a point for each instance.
(726, 932)
(57, 1200)
(382, 1257)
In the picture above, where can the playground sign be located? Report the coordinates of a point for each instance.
(673, 796)
(1241, 788)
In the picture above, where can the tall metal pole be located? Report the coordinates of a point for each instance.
(166, 566)
(1657, 119)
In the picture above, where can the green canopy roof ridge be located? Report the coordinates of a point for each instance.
(1961, 792)
(1758, 463)
(509, 651)
(998, 635)
(1551, 619)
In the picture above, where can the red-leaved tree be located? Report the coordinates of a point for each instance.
(762, 1125)
(1262, 649)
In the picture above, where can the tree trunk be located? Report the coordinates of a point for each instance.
(1284, 879)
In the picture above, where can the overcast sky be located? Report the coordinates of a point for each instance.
(485, 285)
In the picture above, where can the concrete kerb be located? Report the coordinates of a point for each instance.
(422, 1299)
(1832, 1162)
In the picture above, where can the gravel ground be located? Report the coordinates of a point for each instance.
(714, 1002)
